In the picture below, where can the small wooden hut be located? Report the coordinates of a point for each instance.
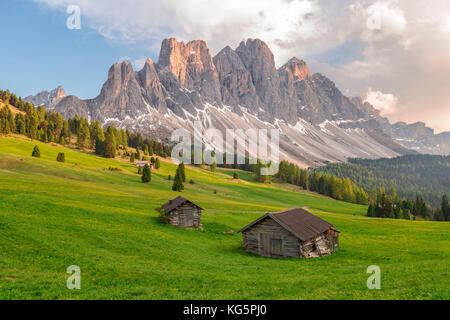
(181, 212)
(290, 234)
(141, 164)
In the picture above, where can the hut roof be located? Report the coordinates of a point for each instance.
(178, 201)
(143, 163)
(297, 221)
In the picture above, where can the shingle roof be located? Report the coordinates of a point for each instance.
(172, 204)
(299, 222)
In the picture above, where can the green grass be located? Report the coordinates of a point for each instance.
(54, 215)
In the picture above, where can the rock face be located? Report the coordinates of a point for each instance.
(243, 89)
(47, 99)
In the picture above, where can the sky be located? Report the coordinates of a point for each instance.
(393, 53)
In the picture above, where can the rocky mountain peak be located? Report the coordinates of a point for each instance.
(192, 65)
(46, 98)
(120, 75)
(297, 68)
(259, 61)
(317, 121)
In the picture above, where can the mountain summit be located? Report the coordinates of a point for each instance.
(243, 89)
(46, 98)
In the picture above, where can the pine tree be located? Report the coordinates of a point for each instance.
(138, 154)
(83, 137)
(371, 210)
(157, 164)
(36, 152)
(132, 158)
(235, 176)
(146, 174)
(61, 157)
(445, 207)
(178, 182)
(182, 171)
(110, 149)
(100, 147)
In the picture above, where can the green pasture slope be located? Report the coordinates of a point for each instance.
(54, 215)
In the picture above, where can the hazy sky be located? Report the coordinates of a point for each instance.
(394, 53)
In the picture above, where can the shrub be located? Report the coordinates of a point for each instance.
(36, 152)
(157, 164)
(236, 176)
(169, 177)
(192, 181)
(61, 157)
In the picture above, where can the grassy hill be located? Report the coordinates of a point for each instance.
(54, 215)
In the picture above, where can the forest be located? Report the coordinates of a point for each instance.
(427, 176)
(49, 126)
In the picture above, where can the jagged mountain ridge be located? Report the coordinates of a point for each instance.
(242, 89)
(46, 98)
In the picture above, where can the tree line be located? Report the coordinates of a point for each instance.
(412, 175)
(390, 205)
(49, 126)
(328, 185)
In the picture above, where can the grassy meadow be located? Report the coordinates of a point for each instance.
(54, 215)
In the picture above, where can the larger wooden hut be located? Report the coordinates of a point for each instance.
(181, 212)
(290, 234)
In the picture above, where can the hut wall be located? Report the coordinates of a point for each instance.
(186, 216)
(268, 238)
(321, 245)
(333, 238)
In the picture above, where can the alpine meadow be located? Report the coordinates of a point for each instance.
(80, 212)
(224, 159)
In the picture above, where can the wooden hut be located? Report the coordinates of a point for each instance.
(181, 212)
(290, 234)
(141, 164)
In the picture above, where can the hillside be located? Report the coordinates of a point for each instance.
(412, 175)
(13, 109)
(54, 215)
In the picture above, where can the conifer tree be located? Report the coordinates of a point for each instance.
(182, 171)
(61, 157)
(36, 152)
(110, 149)
(146, 174)
(157, 164)
(445, 207)
(178, 182)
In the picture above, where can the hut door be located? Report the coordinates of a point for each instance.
(271, 245)
(188, 216)
(264, 244)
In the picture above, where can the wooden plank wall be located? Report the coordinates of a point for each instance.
(252, 238)
(186, 216)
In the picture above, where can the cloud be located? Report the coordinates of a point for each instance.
(386, 103)
(381, 19)
(396, 46)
